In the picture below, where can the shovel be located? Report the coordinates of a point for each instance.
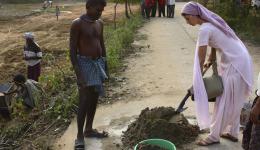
(189, 93)
(181, 105)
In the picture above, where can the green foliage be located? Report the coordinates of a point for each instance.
(117, 40)
(242, 18)
(18, 109)
(63, 104)
(53, 82)
(13, 131)
(61, 92)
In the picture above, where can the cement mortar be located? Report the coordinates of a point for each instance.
(160, 122)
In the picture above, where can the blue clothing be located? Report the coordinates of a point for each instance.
(93, 72)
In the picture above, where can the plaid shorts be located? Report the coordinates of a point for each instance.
(93, 72)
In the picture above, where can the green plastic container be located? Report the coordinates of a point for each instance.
(158, 142)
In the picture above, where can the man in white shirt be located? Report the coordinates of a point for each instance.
(170, 8)
(32, 56)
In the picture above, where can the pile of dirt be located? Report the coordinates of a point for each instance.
(160, 122)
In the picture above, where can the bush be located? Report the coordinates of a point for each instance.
(241, 18)
(118, 40)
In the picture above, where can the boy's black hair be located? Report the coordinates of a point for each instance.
(19, 78)
(90, 3)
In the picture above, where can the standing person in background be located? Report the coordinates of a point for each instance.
(170, 8)
(148, 7)
(142, 6)
(32, 56)
(44, 5)
(57, 12)
(161, 4)
(50, 3)
(154, 4)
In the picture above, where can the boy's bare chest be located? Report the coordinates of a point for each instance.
(92, 30)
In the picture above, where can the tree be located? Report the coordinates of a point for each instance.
(129, 7)
(205, 2)
(116, 3)
(126, 9)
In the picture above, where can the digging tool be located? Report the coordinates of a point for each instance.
(181, 105)
(189, 93)
(5, 100)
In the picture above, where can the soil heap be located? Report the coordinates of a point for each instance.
(160, 122)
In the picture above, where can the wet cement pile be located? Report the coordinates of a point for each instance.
(163, 123)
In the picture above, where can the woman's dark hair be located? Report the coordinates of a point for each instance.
(19, 78)
(90, 3)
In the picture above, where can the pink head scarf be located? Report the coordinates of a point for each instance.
(196, 9)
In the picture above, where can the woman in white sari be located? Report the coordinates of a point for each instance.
(235, 68)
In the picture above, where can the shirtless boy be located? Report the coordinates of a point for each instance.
(88, 53)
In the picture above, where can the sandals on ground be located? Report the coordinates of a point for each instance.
(79, 145)
(229, 137)
(206, 142)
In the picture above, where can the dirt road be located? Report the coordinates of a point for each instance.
(157, 75)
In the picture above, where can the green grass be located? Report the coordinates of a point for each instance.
(118, 40)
